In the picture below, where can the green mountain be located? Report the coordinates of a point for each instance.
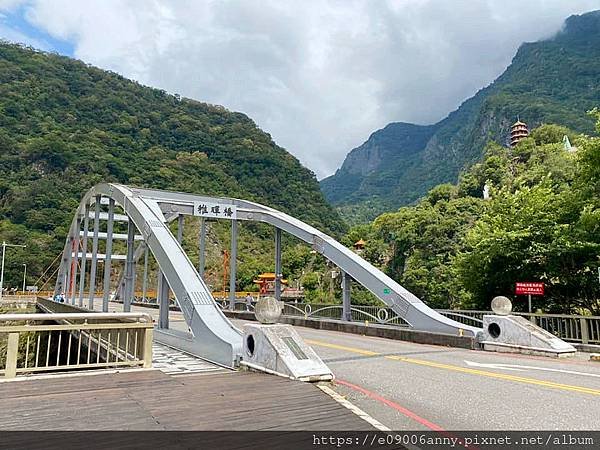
(551, 81)
(65, 126)
(540, 222)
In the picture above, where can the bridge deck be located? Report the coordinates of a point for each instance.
(153, 400)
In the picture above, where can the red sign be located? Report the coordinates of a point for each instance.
(529, 288)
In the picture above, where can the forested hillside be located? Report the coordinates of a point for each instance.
(551, 81)
(65, 126)
(541, 223)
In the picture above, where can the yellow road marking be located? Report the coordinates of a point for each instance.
(484, 373)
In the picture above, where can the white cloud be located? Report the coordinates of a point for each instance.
(10, 33)
(320, 76)
(13, 35)
(8, 5)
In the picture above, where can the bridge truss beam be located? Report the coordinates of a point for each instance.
(214, 337)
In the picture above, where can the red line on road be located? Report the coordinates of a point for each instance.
(396, 406)
(401, 409)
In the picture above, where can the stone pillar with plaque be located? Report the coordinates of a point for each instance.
(508, 333)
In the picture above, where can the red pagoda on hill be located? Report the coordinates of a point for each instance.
(518, 131)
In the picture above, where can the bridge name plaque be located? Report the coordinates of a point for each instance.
(215, 210)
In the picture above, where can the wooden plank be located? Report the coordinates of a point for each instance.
(152, 400)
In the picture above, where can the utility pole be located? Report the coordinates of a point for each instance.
(4, 245)
(24, 275)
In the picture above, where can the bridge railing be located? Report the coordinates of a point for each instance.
(584, 329)
(572, 328)
(12, 304)
(21, 294)
(579, 329)
(375, 314)
(359, 313)
(31, 343)
(468, 317)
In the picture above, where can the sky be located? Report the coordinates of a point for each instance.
(318, 75)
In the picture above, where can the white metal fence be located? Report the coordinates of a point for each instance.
(580, 329)
(31, 343)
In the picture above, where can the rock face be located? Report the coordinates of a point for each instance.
(550, 81)
(364, 169)
(387, 144)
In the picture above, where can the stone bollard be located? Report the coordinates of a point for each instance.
(268, 310)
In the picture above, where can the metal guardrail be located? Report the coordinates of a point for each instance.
(12, 304)
(376, 314)
(21, 294)
(579, 329)
(29, 344)
(584, 329)
(474, 318)
(240, 305)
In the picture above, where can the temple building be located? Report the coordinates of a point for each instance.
(359, 245)
(518, 131)
(266, 283)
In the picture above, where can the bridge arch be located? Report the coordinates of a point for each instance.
(215, 337)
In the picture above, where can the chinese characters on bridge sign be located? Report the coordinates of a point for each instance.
(529, 288)
(215, 210)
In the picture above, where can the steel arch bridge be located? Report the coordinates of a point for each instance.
(213, 337)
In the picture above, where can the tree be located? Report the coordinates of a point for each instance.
(66, 126)
(542, 222)
(422, 240)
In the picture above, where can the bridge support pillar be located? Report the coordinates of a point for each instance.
(163, 301)
(278, 274)
(133, 277)
(145, 279)
(68, 272)
(346, 284)
(180, 228)
(107, 260)
(202, 248)
(94, 264)
(86, 227)
(74, 265)
(233, 264)
(128, 289)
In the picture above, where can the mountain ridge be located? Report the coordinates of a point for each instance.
(548, 81)
(66, 126)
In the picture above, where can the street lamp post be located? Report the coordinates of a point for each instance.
(4, 245)
(24, 275)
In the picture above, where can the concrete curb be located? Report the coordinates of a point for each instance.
(352, 407)
(586, 348)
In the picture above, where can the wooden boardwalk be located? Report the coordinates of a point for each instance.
(153, 400)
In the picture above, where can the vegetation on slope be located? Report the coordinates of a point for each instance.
(65, 126)
(542, 223)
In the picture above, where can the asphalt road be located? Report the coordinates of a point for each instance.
(410, 386)
(420, 387)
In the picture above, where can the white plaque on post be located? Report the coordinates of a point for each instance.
(215, 210)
